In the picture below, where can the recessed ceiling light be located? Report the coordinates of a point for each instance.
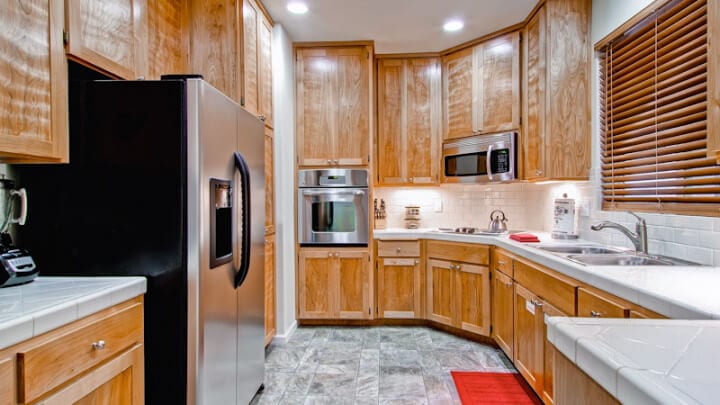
(453, 25)
(297, 7)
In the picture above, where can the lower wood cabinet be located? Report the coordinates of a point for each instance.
(574, 387)
(96, 360)
(594, 303)
(503, 298)
(270, 281)
(334, 283)
(399, 290)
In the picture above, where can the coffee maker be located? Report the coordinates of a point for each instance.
(16, 265)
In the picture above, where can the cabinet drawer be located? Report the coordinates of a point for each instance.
(502, 261)
(553, 288)
(592, 304)
(459, 252)
(395, 248)
(52, 362)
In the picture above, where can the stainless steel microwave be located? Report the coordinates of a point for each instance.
(480, 159)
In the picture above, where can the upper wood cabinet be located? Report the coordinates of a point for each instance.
(334, 283)
(257, 62)
(409, 103)
(34, 102)
(111, 35)
(556, 133)
(481, 88)
(167, 38)
(333, 109)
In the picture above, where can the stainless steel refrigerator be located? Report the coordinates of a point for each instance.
(165, 180)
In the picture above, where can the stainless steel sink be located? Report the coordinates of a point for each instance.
(619, 260)
(578, 249)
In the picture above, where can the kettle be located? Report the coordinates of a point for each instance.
(497, 224)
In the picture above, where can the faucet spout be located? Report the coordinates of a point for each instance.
(638, 238)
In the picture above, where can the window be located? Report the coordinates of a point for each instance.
(654, 114)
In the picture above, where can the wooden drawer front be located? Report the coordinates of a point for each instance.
(51, 363)
(398, 248)
(591, 304)
(555, 289)
(459, 252)
(502, 262)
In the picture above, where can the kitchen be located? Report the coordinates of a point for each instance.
(315, 115)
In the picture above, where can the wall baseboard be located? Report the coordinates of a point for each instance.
(282, 339)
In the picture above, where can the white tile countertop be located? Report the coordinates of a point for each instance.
(47, 303)
(681, 292)
(644, 361)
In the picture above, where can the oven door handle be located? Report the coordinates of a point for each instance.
(488, 162)
(331, 193)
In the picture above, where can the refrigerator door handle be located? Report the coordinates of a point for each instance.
(242, 167)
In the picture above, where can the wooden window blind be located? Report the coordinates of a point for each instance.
(653, 111)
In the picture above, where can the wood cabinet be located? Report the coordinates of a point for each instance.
(34, 105)
(334, 283)
(713, 135)
(595, 303)
(574, 387)
(400, 282)
(167, 38)
(556, 133)
(409, 104)
(110, 35)
(257, 62)
(458, 292)
(95, 360)
(270, 282)
(269, 182)
(503, 298)
(481, 87)
(333, 109)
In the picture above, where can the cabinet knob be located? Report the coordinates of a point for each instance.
(595, 314)
(501, 262)
(329, 161)
(411, 179)
(336, 161)
(458, 267)
(537, 303)
(262, 117)
(508, 284)
(337, 254)
(397, 250)
(99, 345)
(417, 261)
(538, 172)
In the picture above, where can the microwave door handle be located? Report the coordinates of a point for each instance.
(488, 162)
(242, 167)
(334, 192)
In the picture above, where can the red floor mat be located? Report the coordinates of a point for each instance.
(479, 388)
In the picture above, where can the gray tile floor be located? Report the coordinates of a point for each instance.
(372, 365)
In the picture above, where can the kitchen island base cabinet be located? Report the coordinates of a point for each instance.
(574, 387)
(334, 284)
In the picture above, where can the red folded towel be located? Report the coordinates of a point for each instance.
(524, 237)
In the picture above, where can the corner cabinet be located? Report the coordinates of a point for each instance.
(481, 88)
(333, 108)
(334, 284)
(556, 108)
(34, 102)
(409, 112)
(111, 35)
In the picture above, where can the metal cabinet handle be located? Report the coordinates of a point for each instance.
(336, 161)
(508, 284)
(397, 250)
(99, 345)
(537, 303)
(417, 261)
(262, 117)
(501, 262)
(329, 161)
(411, 179)
(538, 172)
(595, 314)
(458, 267)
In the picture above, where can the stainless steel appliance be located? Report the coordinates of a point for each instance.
(480, 159)
(333, 207)
(16, 265)
(165, 180)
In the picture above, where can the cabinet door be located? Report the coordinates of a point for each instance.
(8, 396)
(270, 310)
(167, 38)
(33, 106)
(392, 155)
(265, 103)
(534, 142)
(399, 288)
(528, 337)
(496, 84)
(458, 94)
(353, 136)
(548, 354)
(250, 14)
(109, 34)
(316, 97)
(423, 121)
(440, 286)
(269, 182)
(472, 297)
(316, 276)
(353, 289)
(502, 312)
(118, 381)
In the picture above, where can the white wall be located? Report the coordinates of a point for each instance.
(284, 117)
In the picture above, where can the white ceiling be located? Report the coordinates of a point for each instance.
(398, 26)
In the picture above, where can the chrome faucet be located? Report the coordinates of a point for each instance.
(638, 238)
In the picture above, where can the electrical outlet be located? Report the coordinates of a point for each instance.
(438, 205)
(584, 208)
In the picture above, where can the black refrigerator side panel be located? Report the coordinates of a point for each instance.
(119, 208)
